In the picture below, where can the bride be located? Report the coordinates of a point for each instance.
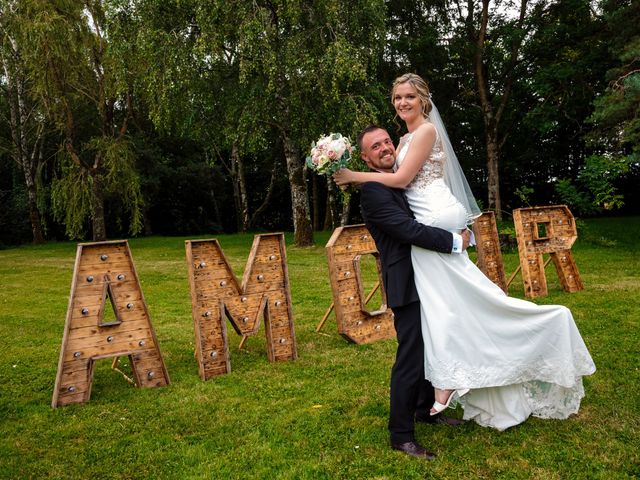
(502, 358)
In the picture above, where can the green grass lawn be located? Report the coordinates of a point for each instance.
(323, 416)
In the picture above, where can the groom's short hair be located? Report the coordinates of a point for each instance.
(366, 130)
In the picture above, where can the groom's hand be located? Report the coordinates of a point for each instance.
(466, 238)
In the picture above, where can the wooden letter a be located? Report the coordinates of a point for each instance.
(215, 291)
(105, 270)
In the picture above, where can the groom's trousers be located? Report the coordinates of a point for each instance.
(410, 392)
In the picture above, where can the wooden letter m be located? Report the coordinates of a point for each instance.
(216, 293)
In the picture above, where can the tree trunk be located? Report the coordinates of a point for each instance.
(98, 223)
(237, 203)
(493, 180)
(346, 209)
(266, 201)
(490, 123)
(146, 221)
(216, 209)
(302, 231)
(333, 214)
(328, 221)
(28, 162)
(240, 189)
(30, 166)
(32, 194)
(316, 203)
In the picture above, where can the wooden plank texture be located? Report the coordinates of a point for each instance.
(216, 293)
(105, 278)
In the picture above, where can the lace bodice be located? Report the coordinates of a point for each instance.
(433, 167)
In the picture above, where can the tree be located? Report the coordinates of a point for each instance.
(27, 121)
(302, 66)
(616, 116)
(82, 81)
(275, 74)
(191, 59)
(495, 61)
(615, 136)
(562, 65)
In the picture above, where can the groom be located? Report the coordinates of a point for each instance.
(390, 221)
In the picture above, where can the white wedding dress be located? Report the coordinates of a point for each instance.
(518, 358)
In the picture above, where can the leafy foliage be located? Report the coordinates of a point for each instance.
(71, 197)
(243, 88)
(596, 190)
(122, 180)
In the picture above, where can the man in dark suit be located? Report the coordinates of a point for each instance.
(394, 229)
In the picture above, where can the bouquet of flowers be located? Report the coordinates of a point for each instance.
(329, 154)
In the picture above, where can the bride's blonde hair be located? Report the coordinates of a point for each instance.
(421, 87)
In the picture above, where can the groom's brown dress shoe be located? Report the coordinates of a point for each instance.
(414, 449)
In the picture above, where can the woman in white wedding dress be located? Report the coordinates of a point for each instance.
(502, 358)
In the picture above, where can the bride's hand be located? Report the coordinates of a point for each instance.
(343, 177)
(466, 238)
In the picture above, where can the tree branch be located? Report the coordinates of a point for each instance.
(483, 87)
(513, 60)
(265, 202)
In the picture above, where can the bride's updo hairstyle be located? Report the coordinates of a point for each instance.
(421, 88)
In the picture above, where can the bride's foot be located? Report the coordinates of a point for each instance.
(446, 395)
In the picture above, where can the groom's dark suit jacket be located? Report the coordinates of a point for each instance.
(394, 229)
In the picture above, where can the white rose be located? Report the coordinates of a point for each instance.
(338, 147)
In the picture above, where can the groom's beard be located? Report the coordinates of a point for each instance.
(390, 169)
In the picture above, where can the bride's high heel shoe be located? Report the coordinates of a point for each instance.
(440, 407)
